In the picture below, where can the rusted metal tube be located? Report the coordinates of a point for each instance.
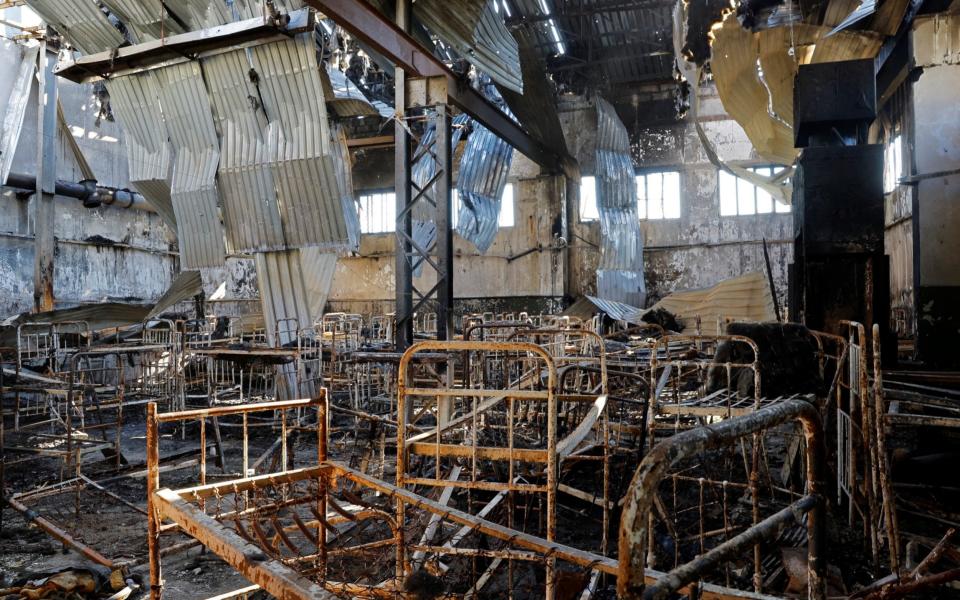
(68, 540)
(87, 191)
(634, 525)
(883, 467)
(220, 411)
(690, 572)
(153, 516)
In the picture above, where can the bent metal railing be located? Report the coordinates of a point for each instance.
(635, 521)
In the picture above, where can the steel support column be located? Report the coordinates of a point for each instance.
(435, 195)
(443, 188)
(44, 240)
(403, 270)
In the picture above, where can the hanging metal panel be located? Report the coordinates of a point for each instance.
(484, 167)
(250, 9)
(620, 273)
(478, 33)
(201, 14)
(343, 96)
(536, 107)
(188, 117)
(283, 294)
(318, 268)
(343, 164)
(250, 213)
(81, 22)
(289, 280)
(16, 109)
(299, 144)
(135, 103)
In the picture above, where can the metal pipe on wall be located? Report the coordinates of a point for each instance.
(88, 191)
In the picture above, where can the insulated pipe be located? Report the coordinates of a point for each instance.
(87, 190)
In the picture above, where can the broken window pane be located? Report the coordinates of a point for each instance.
(892, 165)
(746, 201)
(740, 197)
(378, 212)
(658, 195)
(588, 199)
(506, 206)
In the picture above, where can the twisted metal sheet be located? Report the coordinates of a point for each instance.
(482, 178)
(620, 273)
(478, 33)
(193, 189)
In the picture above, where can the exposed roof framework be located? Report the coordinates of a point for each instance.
(599, 44)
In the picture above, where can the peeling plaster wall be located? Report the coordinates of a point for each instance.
(701, 247)
(101, 254)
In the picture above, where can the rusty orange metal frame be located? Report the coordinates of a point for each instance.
(546, 456)
(194, 521)
(635, 521)
(280, 577)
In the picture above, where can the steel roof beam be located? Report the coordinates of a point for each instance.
(364, 22)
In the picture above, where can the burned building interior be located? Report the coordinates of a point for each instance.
(466, 299)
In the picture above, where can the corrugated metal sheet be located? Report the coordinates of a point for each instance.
(250, 213)
(199, 14)
(135, 103)
(744, 298)
(861, 12)
(299, 143)
(102, 315)
(618, 310)
(318, 269)
(189, 121)
(484, 167)
(283, 293)
(16, 108)
(536, 107)
(478, 33)
(761, 100)
(620, 272)
(186, 285)
(744, 95)
(81, 22)
(249, 9)
(619, 42)
(278, 173)
(147, 18)
(343, 96)
(343, 163)
(294, 286)
(847, 45)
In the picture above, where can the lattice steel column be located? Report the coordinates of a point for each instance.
(403, 271)
(435, 195)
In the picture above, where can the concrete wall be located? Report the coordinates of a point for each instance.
(101, 254)
(936, 214)
(701, 247)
